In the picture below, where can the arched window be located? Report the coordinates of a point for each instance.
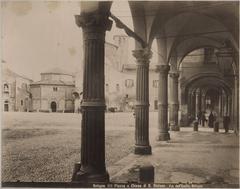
(129, 83)
(5, 87)
(117, 87)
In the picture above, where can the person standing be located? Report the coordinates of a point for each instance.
(211, 120)
(199, 116)
(226, 121)
(203, 118)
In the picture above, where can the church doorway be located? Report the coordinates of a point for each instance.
(53, 106)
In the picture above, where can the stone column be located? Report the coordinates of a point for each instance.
(198, 102)
(220, 104)
(163, 103)
(227, 105)
(92, 167)
(203, 107)
(189, 101)
(236, 104)
(194, 104)
(142, 145)
(173, 101)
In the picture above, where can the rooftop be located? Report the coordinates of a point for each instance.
(58, 71)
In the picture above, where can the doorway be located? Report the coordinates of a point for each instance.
(6, 108)
(53, 106)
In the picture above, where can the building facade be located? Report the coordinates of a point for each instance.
(16, 94)
(120, 77)
(54, 92)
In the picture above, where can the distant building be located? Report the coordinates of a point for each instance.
(120, 77)
(15, 91)
(54, 92)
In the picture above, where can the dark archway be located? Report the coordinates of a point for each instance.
(6, 106)
(53, 106)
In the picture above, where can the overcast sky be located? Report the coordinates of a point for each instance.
(40, 35)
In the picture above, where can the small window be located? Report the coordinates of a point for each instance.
(155, 83)
(21, 102)
(129, 83)
(55, 88)
(155, 104)
(117, 87)
(6, 88)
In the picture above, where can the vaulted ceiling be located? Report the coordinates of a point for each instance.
(181, 26)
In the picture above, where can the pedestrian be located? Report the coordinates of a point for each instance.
(203, 119)
(199, 116)
(226, 121)
(211, 120)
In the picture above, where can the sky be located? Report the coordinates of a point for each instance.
(39, 35)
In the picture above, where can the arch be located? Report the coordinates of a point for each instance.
(54, 106)
(193, 44)
(161, 21)
(5, 87)
(211, 78)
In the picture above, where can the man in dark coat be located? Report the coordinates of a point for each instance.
(226, 121)
(203, 119)
(199, 116)
(211, 120)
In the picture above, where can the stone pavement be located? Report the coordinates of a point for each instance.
(189, 157)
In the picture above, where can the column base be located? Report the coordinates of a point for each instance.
(163, 136)
(143, 150)
(87, 176)
(174, 128)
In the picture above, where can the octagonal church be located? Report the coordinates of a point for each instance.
(53, 93)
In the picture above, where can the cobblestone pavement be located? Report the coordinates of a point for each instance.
(44, 147)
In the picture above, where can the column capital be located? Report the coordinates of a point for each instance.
(174, 74)
(94, 21)
(198, 92)
(142, 55)
(163, 68)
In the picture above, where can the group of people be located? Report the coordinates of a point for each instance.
(201, 117)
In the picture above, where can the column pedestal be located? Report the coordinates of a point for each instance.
(173, 101)
(163, 134)
(92, 168)
(142, 145)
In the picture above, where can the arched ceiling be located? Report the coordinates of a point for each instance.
(180, 26)
(176, 21)
(188, 45)
(207, 81)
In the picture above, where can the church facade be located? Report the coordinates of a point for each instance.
(54, 92)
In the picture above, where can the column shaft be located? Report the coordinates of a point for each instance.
(163, 103)
(92, 167)
(173, 101)
(236, 104)
(197, 103)
(142, 145)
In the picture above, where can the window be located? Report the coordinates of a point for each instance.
(6, 88)
(117, 87)
(155, 104)
(21, 102)
(129, 83)
(155, 83)
(55, 88)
